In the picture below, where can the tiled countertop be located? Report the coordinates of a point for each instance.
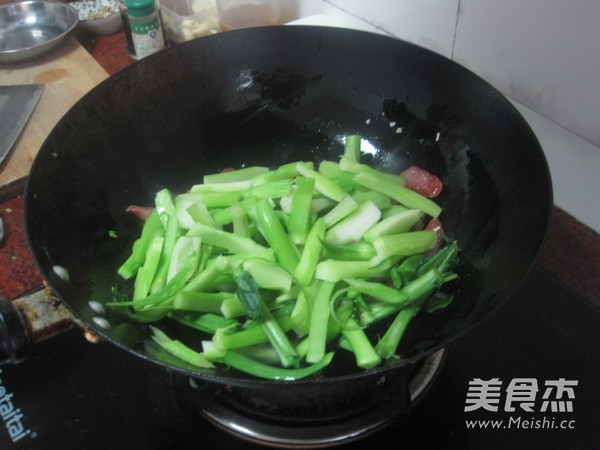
(571, 253)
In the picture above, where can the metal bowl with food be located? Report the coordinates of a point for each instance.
(266, 97)
(33, 28)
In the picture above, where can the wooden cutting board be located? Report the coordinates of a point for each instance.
(68, 74)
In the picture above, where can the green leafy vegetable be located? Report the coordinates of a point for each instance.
(275, 269)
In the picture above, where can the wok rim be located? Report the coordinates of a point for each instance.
(317, 378)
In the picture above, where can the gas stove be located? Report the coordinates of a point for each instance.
(525, 377)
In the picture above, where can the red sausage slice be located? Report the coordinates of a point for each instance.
(423, 182)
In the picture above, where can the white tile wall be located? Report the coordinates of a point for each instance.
(574, 166)
(542, 54)
(293, 10)
(545, 55)
(428, 23)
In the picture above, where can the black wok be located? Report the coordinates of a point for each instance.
(269, 96)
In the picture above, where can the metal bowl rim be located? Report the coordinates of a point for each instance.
(65, 32)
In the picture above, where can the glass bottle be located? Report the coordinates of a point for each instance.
(127, 29)
(146, 30)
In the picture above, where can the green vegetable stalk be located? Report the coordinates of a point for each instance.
(388, 344)
(249, 295)
(274, 233)
(276, 269)
(317, 333)
(152, 227)
(365, 354)
(299, 221)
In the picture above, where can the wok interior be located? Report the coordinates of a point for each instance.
(270, 96)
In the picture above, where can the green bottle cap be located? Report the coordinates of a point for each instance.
(140, 8)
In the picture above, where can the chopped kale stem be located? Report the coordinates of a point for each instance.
(293, 263)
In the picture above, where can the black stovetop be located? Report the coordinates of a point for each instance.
(73, 394)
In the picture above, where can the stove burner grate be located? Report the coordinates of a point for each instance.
(321, 419)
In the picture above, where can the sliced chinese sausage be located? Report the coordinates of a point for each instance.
(422, 181)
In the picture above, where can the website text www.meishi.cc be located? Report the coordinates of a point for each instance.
(522, 423)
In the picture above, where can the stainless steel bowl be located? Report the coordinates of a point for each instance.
(33, 28)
